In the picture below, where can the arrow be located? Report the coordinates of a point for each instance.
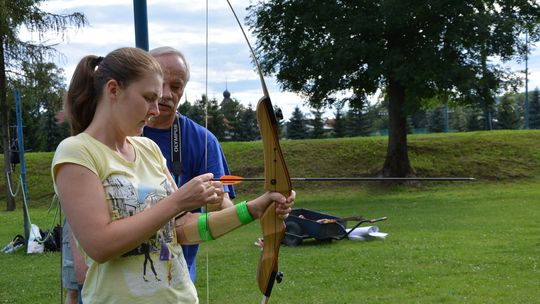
(233, 179)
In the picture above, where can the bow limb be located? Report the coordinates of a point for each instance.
(276, 180)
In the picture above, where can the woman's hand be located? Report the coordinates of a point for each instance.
(257, 206)
(199, 192)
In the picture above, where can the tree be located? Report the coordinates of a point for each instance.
(507, 114)
(357, 122)
(458, 119)
(474, 119)
(414, 50)
(534, 110)
(339, 122)
(419, 119)
(230, 108)
(318, 124)
(215, 119)
(296, 128)
(247, 125)
(41, 93)
(377, 117)
(436, 120)
(185, 108)
(195, 111)
(53, 131)
(14, 52)
(207, 113)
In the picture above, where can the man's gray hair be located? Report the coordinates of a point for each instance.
(168, 50)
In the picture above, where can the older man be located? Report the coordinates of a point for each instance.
(190, 149)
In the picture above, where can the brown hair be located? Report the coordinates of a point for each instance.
(125, 65)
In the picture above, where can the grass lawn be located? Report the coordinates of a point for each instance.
(472, 242)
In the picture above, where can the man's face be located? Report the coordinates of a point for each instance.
(174, 82)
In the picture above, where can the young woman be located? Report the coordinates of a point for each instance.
(121, 203)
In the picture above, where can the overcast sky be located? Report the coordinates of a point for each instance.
(181, 24)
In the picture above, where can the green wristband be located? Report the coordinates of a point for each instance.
(243, 213)
(204, 229)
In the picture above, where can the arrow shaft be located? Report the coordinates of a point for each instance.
(311, 179)
(382, 178)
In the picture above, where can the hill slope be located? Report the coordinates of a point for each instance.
(487, 156)
(491, 155)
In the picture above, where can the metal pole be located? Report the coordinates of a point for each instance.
(527, 80)
(20, 143)
(446, 115)
(141, 24)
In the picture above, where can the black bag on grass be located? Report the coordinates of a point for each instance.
(53, 240)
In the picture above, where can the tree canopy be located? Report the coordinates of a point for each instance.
(296, 129)
(17, 55)
(414, 50)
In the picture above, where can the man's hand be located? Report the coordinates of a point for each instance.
(224, 203)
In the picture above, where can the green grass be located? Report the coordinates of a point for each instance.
(476, 243)
(28, 278)
(464, 242)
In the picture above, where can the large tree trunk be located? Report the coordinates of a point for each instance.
(397, 162)
(4, 124)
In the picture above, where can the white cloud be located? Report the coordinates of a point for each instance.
(182, 24)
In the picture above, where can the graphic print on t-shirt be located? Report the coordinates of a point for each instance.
(127, 200)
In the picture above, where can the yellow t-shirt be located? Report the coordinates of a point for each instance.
(155, 271)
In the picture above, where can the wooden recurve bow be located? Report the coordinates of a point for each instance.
(276, 179)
